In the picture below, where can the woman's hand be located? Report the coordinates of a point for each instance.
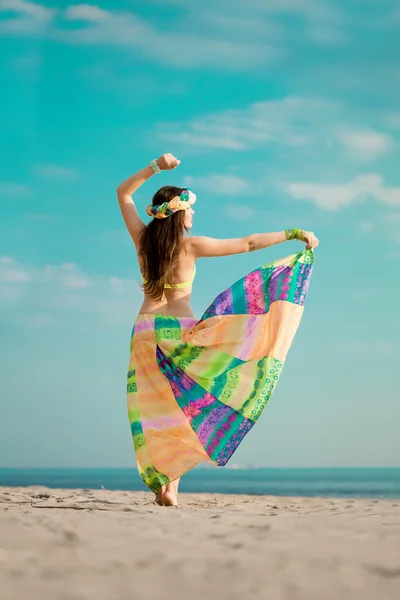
(166, 162)
(309, 238)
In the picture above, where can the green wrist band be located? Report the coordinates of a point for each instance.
(292, 234)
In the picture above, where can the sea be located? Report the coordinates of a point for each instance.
(322, 482)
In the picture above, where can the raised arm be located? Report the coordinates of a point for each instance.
(202, 247)
(133, 222)
(127, 188)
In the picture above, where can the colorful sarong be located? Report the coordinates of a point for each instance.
(196, 388)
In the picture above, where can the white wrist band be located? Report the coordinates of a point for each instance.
(154, 166)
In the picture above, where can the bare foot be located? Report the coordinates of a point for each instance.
(159, 496)
(169, 499)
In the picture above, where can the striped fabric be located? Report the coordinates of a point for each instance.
(196, 388)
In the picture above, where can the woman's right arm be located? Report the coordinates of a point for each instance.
(206, 247)
(127, 188)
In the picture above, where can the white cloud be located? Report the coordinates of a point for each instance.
(29, 18)
(389, 195)
(336, 196)
(321, 21)
(77, 282)
(55, 172)
(11, 271)
(286, 121)
(291, 121)
(365, 144)
(313, 9)
(329, 197)
(393, 217)
(85, 12)
(13, 189)
(36, 11)
(183, 47)
(177, 48)
(229, 185)
(117, 285)
(241, 26)
(66, 275)
(253, 35)
(167, 134)
(64, 293)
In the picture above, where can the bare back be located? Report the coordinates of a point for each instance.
(175, 302)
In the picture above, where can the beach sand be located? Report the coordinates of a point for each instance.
(114, 545)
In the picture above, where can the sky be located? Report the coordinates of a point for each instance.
(284, 113)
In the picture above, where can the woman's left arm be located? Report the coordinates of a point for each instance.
(133, 222)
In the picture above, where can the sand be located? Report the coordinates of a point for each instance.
(100, 544)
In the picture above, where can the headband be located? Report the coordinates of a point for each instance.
(182, 202)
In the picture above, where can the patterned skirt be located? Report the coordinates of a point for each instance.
(197, 387)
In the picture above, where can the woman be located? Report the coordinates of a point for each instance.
(195, 388)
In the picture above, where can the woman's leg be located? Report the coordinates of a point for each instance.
(159, 496)
(170, 496)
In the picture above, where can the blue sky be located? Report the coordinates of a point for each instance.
(284, 113)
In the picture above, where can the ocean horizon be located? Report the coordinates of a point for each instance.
(346, 482)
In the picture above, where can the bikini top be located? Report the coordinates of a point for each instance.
(180, 285)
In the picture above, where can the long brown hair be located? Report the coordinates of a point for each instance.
(160, 245)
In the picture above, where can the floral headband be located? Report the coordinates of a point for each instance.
(166, 209)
